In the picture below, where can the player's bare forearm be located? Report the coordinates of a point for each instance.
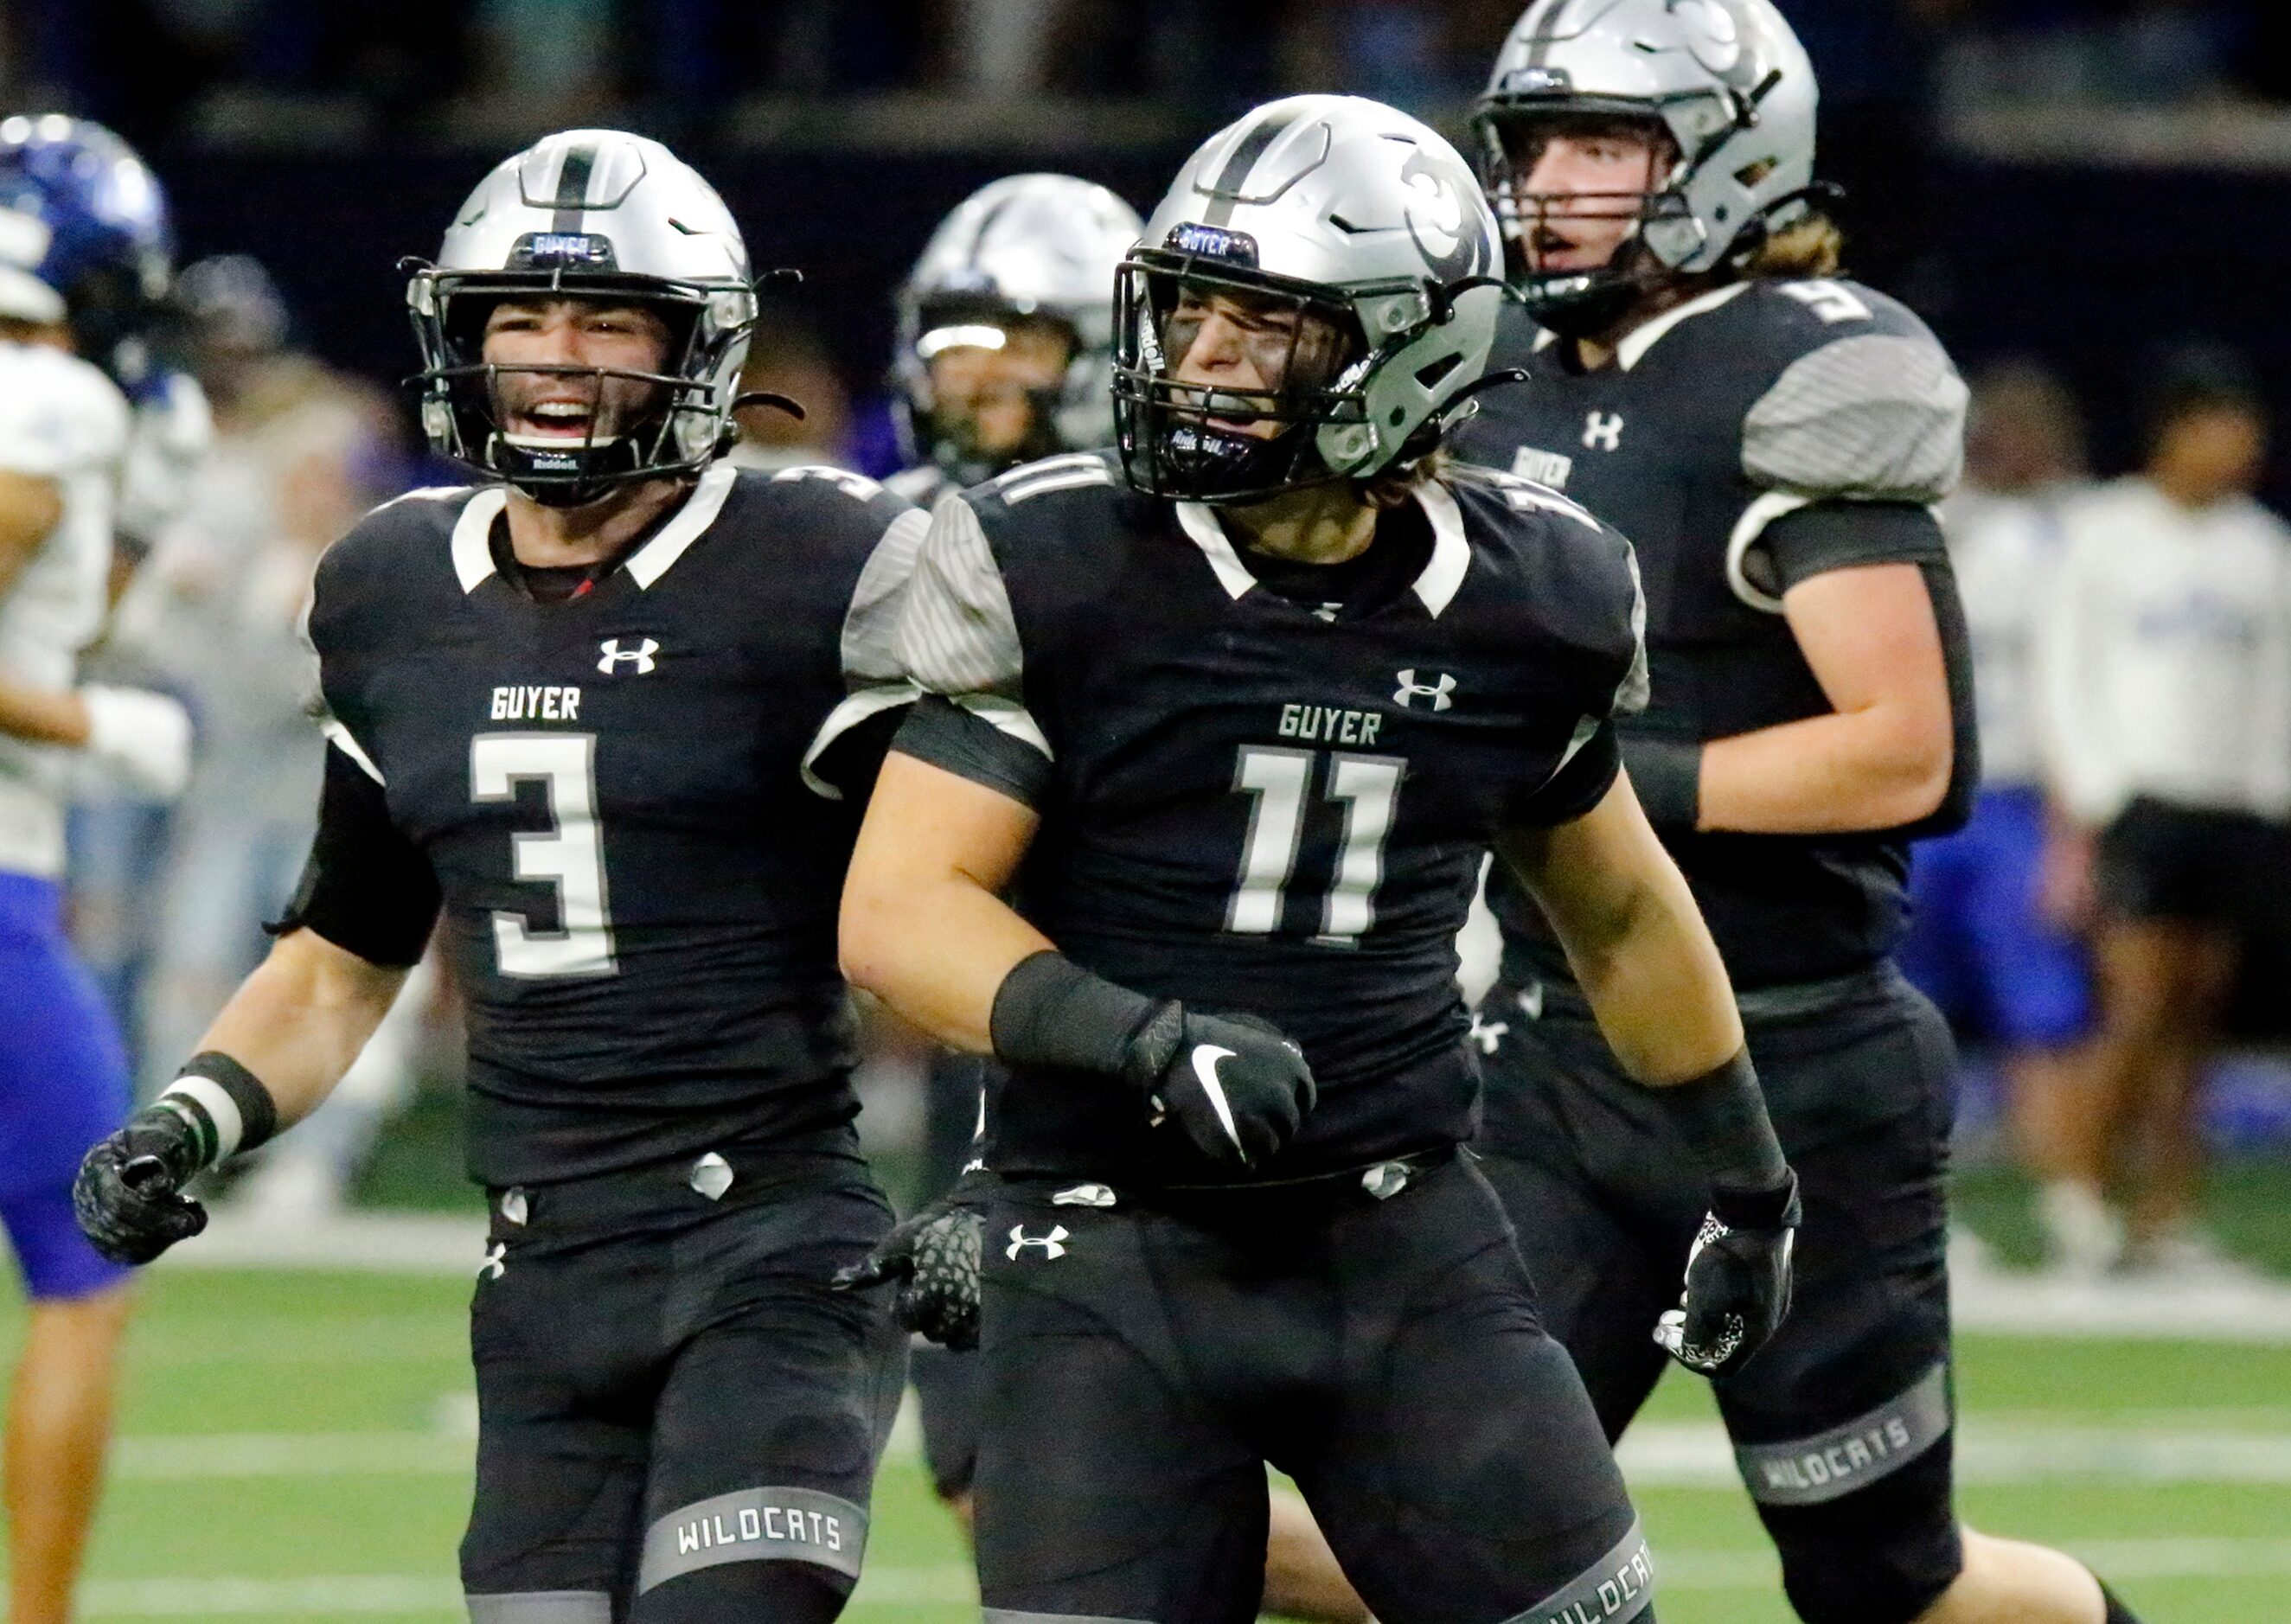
(1883, 758)
(30, 508)
(42, 716)
(301, 1018)
(1634, 938)
(924, 926)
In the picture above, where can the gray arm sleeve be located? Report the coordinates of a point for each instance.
(1880, 417)
(957, 634)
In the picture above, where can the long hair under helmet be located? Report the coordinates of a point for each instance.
(594, 214)
(1041, 247)
(1725, 85)
(1371, 228)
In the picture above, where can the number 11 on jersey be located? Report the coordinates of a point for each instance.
(1368, 786)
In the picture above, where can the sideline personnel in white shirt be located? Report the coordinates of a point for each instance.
(2164, 661)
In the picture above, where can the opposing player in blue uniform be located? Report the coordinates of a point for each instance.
(82, 233)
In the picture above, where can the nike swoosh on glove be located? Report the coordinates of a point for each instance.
(1238, 1088)
(1738, 1281)
(933, 1256)
(128, 1197)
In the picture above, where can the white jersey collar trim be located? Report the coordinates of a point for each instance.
(1436, 587)
(651, 561)
(473, 544)
(1201, 524)
(1451, 554)
(1633, 349)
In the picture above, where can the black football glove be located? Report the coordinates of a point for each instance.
(1738, 1281)
(128, 1196)
(933, 1256)
(1238, 1088)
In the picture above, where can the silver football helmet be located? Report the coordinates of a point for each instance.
(594, 214)
(1371, 228)
(1726, 81)
(1027, 246)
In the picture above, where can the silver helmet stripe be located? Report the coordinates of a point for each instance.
(1232, 184)
(572, 186)
(1546, 34)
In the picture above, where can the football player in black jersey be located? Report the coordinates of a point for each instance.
(1234, 713)
(1005, 356)
(574, 705)
(1771, 439)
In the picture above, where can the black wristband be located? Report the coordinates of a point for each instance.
(1723, 1115)
(225, 1104)
(1668, 775)
(1051, 1011)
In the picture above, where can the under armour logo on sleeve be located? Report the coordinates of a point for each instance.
(616, 656)
(1438, 692)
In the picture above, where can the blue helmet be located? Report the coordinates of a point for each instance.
(84, 237)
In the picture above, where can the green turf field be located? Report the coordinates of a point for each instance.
(296, 1446)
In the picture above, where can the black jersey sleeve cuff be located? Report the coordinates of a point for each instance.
(954, 740)
(1832, 535)
(366, 889)
(1577, 787)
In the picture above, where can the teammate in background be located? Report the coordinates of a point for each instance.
(80, 219)
(1237, 710)
(573, 704)
(1981, 944)
(300, 453)
(1772, 440)
(1005, 345)
(2165, 658)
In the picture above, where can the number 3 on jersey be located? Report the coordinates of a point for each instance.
(1368, 786)
(569, 858)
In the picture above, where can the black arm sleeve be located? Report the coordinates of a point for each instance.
(1831, 536)
(1575, 788)
(366, 889)
(953, 739)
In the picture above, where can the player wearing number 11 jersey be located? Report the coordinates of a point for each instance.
(574, 706)
(1233, 714)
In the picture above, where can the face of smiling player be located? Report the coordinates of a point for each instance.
(539, 407)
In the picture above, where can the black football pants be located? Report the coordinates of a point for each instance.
(1142, 1362)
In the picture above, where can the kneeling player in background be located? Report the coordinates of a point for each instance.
(64, 443)
(1237, 712)
(1771, 439)
(574, 705)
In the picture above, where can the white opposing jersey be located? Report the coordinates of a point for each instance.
(61, 420)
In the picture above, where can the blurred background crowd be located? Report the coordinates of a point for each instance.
(2111, 283)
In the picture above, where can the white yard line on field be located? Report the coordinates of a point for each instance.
(1993, 1449)
(1687, 1569)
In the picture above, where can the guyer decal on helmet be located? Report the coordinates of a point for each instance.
(596, 216)
(1723, 89)
(1027, 251)
(1345, 249)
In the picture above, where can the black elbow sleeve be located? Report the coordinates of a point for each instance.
(366, 888)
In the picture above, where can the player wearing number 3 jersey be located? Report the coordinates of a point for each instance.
(1233, 714)
(574, 705)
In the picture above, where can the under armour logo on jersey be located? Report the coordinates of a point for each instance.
(1604, 431)
(616, 656)
(496, 1263)
(1487, 1035)
(1437, 692)
(1053, 1244)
